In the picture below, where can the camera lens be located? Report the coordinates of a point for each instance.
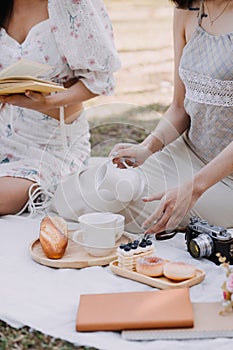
(201, 246)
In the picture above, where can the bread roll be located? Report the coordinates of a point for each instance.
(179, 271)
(53, 236)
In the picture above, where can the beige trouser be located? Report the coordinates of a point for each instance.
(169, 168)
(166, 169)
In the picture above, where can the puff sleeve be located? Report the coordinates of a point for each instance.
(84, 36)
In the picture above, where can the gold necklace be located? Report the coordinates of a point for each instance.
(212, 20)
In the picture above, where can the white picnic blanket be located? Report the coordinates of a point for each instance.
(46, 299)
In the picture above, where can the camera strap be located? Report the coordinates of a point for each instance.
(164, 235)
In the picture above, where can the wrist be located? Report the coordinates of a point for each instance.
(199, 186)
(152, 143)
(50, 108)
(55, 101)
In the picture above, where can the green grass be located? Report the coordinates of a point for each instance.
(24, 338)
(130, 126)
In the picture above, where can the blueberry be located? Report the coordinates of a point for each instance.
(122, 246)
(127, 248)
(136, 241)
(148, 242)
(134, 246)
(142, 244)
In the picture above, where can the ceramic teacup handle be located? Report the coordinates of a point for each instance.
(75, 234)
(118, 235)
(119, 231)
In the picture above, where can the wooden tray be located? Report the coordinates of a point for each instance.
(75, 256)
(157, 282)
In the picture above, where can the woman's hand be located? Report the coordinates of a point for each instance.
(174, 205)
(128, 151)
(30, 100)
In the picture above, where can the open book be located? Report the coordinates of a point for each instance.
(23, 75)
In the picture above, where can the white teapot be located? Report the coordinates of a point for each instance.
(101, 187)
(118, 184)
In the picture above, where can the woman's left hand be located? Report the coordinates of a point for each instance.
(30, 100)
(174, 205)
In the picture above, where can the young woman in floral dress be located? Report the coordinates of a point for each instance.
(75, 38)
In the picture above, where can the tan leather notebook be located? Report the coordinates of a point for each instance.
(169, 308)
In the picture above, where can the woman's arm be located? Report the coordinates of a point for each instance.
(175, 121)
(219, 167)
(77, 93)
(50, 104)
(83, 34)
(176, 202)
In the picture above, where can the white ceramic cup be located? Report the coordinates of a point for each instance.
(120, 225)
(100, 231)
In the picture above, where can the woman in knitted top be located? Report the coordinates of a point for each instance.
(193, 173)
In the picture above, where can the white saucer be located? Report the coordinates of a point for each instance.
(95, 251)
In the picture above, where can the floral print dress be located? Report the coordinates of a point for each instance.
(76, 41)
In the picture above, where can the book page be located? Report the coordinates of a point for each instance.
(21, 80)
(22, 87)
(25, 68)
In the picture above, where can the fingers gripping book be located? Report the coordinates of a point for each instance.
(23, 75)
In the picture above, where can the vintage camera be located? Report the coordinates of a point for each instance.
(205, 240)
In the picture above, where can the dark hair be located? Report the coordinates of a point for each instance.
(6, 10)
(183, 4)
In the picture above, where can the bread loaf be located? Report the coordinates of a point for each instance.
(53, 236)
